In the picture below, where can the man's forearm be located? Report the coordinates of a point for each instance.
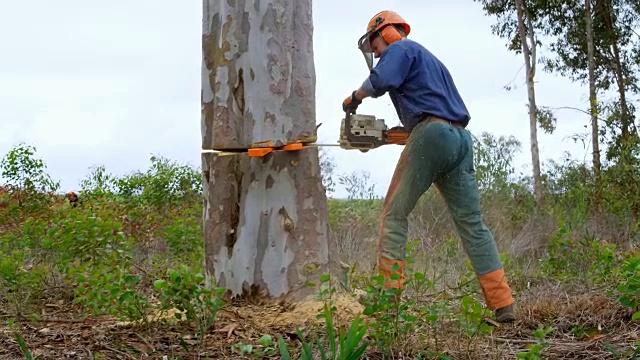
(361, 94)
(365, 90)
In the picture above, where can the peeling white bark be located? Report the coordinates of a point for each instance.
(280, 231)
(258, 60)
(265, 219)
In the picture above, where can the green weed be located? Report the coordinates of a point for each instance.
(185, 290)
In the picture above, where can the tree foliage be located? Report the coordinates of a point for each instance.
(616, 58)
(562, 31)
(493, 161)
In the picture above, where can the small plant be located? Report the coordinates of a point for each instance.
(629, 286)
(98, 184)
(349, 346)
(471, 317)
(19, 286)
(535, 350)
(106, 290)
(430, 355)
(94, 255)
(586, 258)
(183, 234)
(434, 313)
(164, 185)
(23, 346)
(394, 320)
(398, 320)
(264, 349)
(185, 291)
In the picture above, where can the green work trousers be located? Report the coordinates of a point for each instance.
(439, 153)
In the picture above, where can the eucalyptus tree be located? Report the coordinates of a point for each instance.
(517, 21)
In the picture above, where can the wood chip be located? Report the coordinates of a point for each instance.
(229, 329)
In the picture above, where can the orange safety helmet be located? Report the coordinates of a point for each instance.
(384, 24)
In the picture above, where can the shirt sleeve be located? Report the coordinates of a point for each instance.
(389, 73)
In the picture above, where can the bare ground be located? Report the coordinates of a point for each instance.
(588, 325)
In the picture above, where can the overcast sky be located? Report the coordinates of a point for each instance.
(114, 82)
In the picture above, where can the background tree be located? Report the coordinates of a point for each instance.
(596, 42)
(528, 44)
(593, 98)
(517, 21)
(615, 60)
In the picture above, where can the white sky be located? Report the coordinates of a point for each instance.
(114, 82)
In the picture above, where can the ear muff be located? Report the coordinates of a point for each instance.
(390, 34)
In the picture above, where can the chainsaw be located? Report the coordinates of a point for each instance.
(365, 132)
(357, 131)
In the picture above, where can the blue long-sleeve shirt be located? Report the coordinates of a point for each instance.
(418, 84)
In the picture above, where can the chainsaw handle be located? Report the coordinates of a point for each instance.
(347, 125)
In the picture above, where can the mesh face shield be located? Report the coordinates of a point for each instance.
(364, 44)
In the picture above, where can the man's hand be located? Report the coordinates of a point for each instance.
(351, 102)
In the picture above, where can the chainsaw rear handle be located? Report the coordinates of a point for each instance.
(397, 136)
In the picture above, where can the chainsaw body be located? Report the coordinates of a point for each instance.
(365, 132)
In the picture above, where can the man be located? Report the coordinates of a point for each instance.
(73, 198)
(439, 151)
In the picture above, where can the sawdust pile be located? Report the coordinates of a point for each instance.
(300, 314)
(286, 316)
(155, 316)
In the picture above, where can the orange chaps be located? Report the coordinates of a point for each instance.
(496, 290)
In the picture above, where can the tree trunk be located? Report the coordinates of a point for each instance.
(530, 68)
(626, 123)
(258, 75)
(593, 101)
(265, 218)
(266, 225)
